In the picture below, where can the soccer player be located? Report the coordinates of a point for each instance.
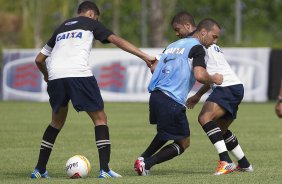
(69, 77)
(220, 108)
(278, 106)
(173, 77)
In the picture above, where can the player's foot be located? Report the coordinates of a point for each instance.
(247, 169)
(36, 174)
(225, 168)
(110, 174)
(139, 167)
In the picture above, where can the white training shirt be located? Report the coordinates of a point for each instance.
(216, 63)
(70, 46)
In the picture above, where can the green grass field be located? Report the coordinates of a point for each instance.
(257, 128)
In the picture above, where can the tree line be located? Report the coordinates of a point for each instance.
(146, 23)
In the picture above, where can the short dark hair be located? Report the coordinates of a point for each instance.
(182, 18)
(207, 24)
(88, 5)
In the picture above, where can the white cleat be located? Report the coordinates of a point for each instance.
(247, 169)
(110, 174)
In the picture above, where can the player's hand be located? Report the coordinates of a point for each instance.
(153, 66)
(278, 109)
(45, 78)
(150, 60)
(192, 101)
(217, 78)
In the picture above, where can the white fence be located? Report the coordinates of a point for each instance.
(124, 77)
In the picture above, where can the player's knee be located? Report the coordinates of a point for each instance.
(186, 145)
(206, 117)
(57, 124)
(98, 117)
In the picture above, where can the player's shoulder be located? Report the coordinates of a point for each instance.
(187, 42)
(214, 48)
(80, 20)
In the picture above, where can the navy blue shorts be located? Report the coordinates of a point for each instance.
(83, 92)
(170, 117)
(228, 98)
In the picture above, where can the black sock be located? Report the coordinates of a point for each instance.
(166, 153)
(155, 145)
(103, 145)
(47, 143)
(232, 142)
(244, 163)
(215, 135)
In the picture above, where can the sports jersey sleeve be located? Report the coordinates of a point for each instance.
(101, 33)
(198, 54)
(47, 49)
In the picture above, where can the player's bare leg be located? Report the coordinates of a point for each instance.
(48, 140)
(207, 118)
(59, 118)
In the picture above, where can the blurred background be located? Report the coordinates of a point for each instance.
(146, 23)
(28, 24)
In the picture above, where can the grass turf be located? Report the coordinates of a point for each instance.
(22, 124)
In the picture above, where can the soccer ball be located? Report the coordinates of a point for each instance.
(78, 166)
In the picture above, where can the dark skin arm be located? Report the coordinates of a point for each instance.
(193, 100)
(278, 106)
(128, 47)
(118, 41)
(202, 76)
(41, 65)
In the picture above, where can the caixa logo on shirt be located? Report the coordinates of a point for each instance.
(69, 35)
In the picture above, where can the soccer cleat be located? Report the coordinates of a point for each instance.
(36, 174)
(139, 167)
(247, 169)
(110, 174)
(225, 168)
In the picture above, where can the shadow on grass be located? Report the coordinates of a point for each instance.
(26, 175)
(170, 171)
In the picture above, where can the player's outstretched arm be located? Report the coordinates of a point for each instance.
(203, 77)
(278, 106)
(193, 100)
(128, 47)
